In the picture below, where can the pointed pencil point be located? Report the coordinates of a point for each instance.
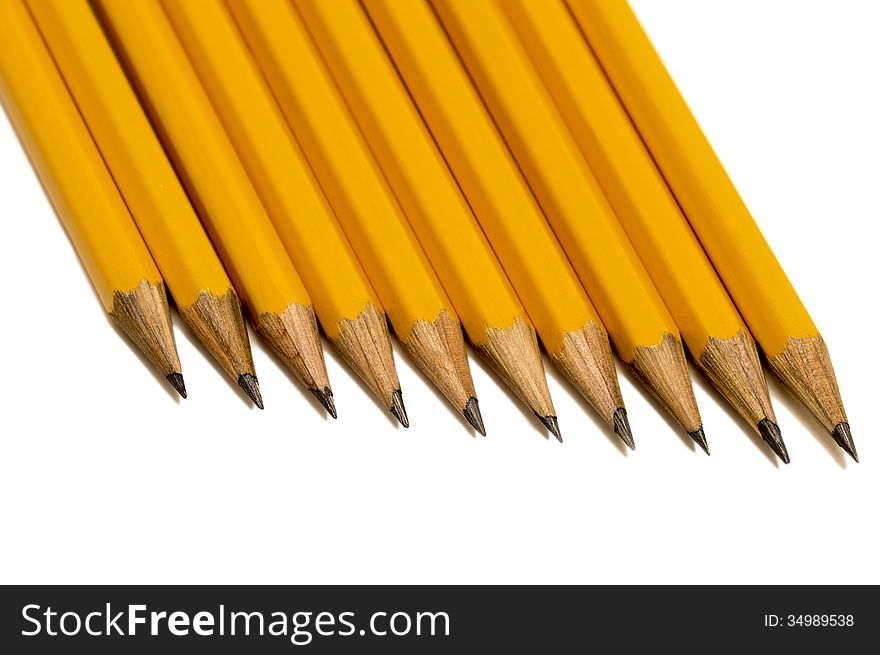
(773, 436)
(700, 437)
(398, 409)
(552, 424)
(471, 412)
(622, 429)
(176, 380)
(843, 437)
(251, 387)
(325, 397)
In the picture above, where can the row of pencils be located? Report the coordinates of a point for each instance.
(512, 169)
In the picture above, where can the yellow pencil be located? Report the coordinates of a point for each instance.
(82, 191)
(220, 189)
(641, 329)
(709, 322)
(204, 295)
(766, 299)
(490, 312)
(564, 318)
(347, 308)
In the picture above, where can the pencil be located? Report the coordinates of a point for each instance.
(766, 299)
(82, 192)
(417, 306)
(641, 328)
(709, 322)
(564, 318)
(219, 188)
(346, 306)
(171, 230)
(491, 314)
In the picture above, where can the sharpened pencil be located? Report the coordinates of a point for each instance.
(82, 191)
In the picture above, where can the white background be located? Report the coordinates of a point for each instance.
(106, 478)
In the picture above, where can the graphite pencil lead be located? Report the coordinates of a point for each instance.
(398, 409)
(773, 436)
(622, 429)
(251, 387)
(552, 424)
(843, 437)
(700, 437)
(176, 380)
(471, 412)
(325, 397)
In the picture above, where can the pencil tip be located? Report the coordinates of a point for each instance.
(843, 437)
(325, 397)
(176, 380)
(471, 412)
(251, 387)
(700, 437)
(552, 424)
(773, 436)
(398, 409)
(622, 429)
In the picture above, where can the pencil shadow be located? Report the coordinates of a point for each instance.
(557, 377)
(683, 436)
(332, 354)
(793, 405)
(221, 372)
(703, 381)
(528, 416)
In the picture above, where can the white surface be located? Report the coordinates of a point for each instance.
(105, 478)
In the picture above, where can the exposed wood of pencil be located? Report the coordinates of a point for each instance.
(142, 314)
(82, 191)
(804, 365)
(218, 324)
(293, 335)
(423, 317)
(585, 359)
(513, 354)
(344, 302)
(219, 187)
(148, 183)
(437, 346)
(430, 197)
(734, 368)
(663, 371)
(709, 322)
(365, 345)
(729, 234)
